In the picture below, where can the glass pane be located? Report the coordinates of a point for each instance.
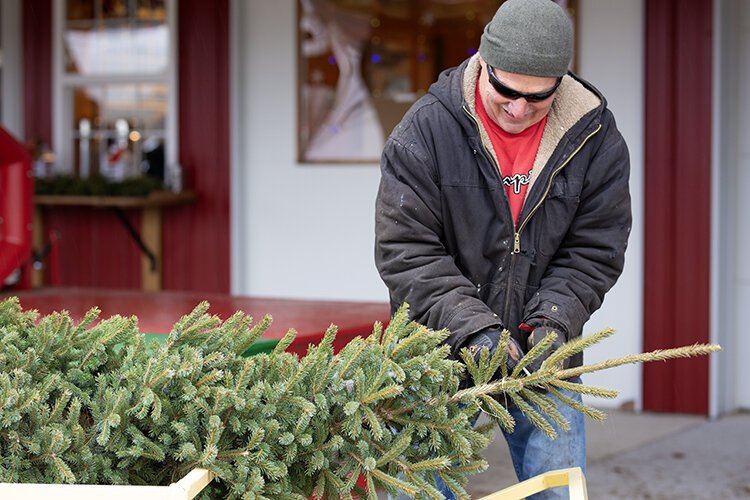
(152, 106)
(152, 10)
(119, 157)
(119, 129)
(143, 106)
(113, 9)
(111, 40)
(80, 10)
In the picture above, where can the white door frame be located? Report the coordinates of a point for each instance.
(12, 50)
(726, 368)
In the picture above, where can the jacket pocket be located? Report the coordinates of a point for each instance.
(555, 215)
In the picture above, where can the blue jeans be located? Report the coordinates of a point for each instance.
(533, 453)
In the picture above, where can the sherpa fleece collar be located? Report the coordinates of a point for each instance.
(572, 102)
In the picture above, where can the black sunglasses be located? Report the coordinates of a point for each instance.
(509, 93)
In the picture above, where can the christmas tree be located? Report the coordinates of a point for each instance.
(94, 403)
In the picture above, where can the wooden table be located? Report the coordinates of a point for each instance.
(149, 239)
(158, 311)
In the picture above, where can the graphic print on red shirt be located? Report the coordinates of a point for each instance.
(515, 156)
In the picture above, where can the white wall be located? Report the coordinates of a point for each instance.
(742, 227)
(730, 283)
(611, 57)
(307, 231)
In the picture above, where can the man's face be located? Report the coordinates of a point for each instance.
(515, 115)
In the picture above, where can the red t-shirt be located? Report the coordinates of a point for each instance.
(515, 155)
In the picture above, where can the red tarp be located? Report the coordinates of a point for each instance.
(16, 205)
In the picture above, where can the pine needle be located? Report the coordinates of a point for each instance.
(646, 357)
(394, 482)
(576, 345)
(540, 422)
(497, 412)
(502, 348)
(534, 353)
(547, 407)
(589, 411)
(589, 390)
(504, 385)
(285, 342)
(438, 463)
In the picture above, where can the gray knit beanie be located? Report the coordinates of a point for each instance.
(529, 37)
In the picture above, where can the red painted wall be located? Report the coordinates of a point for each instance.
(37, 69)
(678, 203)
(196, 240)
(94, 250)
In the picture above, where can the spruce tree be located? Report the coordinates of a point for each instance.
(94, 403)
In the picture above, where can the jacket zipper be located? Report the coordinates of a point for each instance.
(517, 235)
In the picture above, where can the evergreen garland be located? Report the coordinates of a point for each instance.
(94, 403)
(97, 185)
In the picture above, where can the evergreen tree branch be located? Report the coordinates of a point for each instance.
(658, 355)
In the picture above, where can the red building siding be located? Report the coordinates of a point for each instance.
(94, 250)
(196, 240)
(37, 69)
(678, 203)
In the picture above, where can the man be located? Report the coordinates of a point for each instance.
(504, 204)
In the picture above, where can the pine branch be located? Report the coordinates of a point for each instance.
(393, 482)
(576, 345)
(598, 392)
(590, 412)
(658, 355)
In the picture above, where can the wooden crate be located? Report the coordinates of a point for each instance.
(572, 478)
(192, 484)
(184, 489)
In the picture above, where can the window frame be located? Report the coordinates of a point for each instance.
(64, 83)
(12, 90)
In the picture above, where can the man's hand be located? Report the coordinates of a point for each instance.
(489, 339)
(538, 328)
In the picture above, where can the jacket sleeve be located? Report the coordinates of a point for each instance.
(409, 250)
(592, 254)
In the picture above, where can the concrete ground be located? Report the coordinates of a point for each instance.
(650, 456)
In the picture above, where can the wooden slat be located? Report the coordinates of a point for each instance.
(184, 489)
(573, 478)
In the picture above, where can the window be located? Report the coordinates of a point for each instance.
(115, 89)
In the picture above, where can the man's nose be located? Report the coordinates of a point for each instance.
(518, 107)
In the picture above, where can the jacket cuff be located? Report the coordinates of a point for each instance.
(569, 314)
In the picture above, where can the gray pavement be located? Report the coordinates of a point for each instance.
(650, 456)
